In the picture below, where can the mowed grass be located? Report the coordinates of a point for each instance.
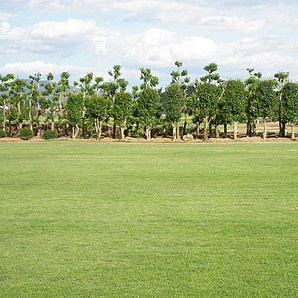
(91, 219)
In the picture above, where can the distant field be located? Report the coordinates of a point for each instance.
(91, 219)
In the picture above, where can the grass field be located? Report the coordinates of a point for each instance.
(91, 219)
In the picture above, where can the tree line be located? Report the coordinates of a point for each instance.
(92, 103)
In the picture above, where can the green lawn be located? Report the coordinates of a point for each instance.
(91, 219)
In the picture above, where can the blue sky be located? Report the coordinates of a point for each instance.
(81, 36)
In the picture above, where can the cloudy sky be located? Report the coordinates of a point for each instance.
(81, 36)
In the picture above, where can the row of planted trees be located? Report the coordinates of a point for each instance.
(91, 102)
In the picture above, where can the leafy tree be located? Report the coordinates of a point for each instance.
(251, 87)
(97, 109)
(290, 104)
(209, 93)
(74, 107)
(232, 105)
(149, 109)
(282, 78)
(122, 109)
(173, 106)
(266, 101)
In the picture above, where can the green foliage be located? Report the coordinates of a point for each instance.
(74, 108)
(26, 133)
(50, 134)
(289, 102)
(2, 134)
(173, 104)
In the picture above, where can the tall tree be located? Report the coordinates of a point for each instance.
(290, 105)
(232, 105)
(173, 106)
(251, 87)
(282, 78)
(122, 109)
(266, 101)
(74, 107)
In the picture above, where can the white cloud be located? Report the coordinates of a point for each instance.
(25, 69)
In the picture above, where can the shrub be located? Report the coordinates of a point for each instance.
(2, 134)
(26, 133)
(50, 134)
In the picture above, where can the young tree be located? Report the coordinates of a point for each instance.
(122, 109)
(290, 104)
(251, 87)
(232, 105)
(177, 78)
(282, 78)
(173, 106)
(149, 109)
(97, 109)
(266, 101)
(74, 107)
(209, 93)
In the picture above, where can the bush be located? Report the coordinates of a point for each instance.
(26, 133)
(2, 134)
(50, 134)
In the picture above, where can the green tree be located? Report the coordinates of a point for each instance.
(121, 110)
(97, 109)
(173, 106)
(232, 105)
(290, 104)
(282, 78)
(266, 101)
(251, 111)
(149, 109)
(74, 107)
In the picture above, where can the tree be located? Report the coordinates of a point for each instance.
(251, 87)
(209, 93)
(289, 101)
(122, 109)
(266, 101)
(149, 108)
(97, 109)
(177, 78)
(232, 105)
(282, 78)
(173, 106)
(74, 107)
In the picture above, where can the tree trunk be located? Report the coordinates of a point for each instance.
(30, 117)
(210, 129)
(185, 123)
(265, 130)
(225, 129)
(205, 128)
(4, 119)
(174, 131)
(216, 131)
(198, 130)
(148, 133)
(99, 130)
(75, 131)
(177, 130)
(235, 130)
(293, 131)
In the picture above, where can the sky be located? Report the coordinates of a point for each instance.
(82, 36)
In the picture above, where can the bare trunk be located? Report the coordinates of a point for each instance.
(148, 133)
(122, 128)
(293, 131)
(174, 131)
(216, 131)
(75, 131)
(225, 129)
(4, 118)
(198, 130)
(235, 130)
(177, 129)
(265, 130)
(30, 117)
(99, 130)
